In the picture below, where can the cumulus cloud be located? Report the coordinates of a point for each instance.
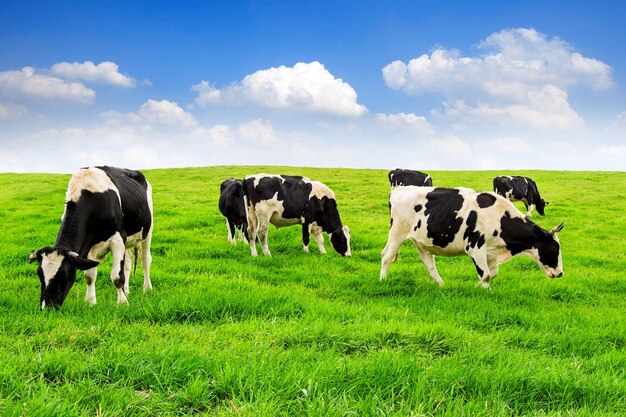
(219, 135)
(26, 82)
(258, 130)
(165, 112)
(162, 112)
(67, 133)
(544, 109)
(515, 60)
(104, 73)
(10, 111)
(305, 86)
(521, 79)
(405, 120)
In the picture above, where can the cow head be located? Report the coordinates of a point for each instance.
(57, 273)
(541, 205)
(548, 251)
(340, 239)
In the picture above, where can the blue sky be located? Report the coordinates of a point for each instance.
(415, 84)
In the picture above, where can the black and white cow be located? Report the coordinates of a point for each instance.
(285, 200)
(523, 189)
(398, 177)
(459, 221)
(231, 205)
(106, 210)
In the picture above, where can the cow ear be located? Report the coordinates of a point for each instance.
(556, 229)
(81, 263)
(32, 257)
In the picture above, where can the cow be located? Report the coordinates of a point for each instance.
(285, 200)
(522, 189)
(107, 209)
(231, 205)
(459, 221)
(399, 177)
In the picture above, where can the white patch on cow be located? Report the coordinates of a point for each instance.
(259, 177)
(50, 264)
(318, 189)
(91, 179)
(43, 304)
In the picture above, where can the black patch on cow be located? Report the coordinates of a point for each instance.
(339, 242)
(418, 208)
(390, 222)
(485, 200)
(473, 237)
(418, 225)
(495, 233)
(442, 206)
(520, 234)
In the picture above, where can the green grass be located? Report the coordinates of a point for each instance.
(304, 334)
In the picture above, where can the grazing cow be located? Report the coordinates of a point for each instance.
(106, 210)
(399, 177)
(285, 200)
(521, 189)
(231, 205)
(460, 221)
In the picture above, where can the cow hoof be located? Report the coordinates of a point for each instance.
(91, 301)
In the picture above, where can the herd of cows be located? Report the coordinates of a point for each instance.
(110, 209)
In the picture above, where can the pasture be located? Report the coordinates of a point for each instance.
(300, 334)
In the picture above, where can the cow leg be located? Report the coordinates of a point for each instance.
(128, 263)
(482, 267)
(118, 249)
(244, 232)
(90, 280)
(231, 231)
(146, 260)
(429, 260)
(319, 238)
(252, 230)
(263, 226)
(306, 235)
(530, 209)
(389, 254)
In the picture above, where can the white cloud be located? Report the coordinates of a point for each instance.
(165, 112)
(405, 120)
(67, 133)
(258, 130)
(26, 83)
(10, 111)
(219, 135)
(162, 112)
(547, 108)
(515, 61)
(105, 73)
(305, 86)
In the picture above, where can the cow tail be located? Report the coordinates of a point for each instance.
(135, 263)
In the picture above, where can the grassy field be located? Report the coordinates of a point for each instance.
(303, 334)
